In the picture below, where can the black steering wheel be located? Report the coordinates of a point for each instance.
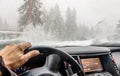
(54, 57)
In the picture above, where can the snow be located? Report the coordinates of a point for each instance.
(74, 43)
(51, 43)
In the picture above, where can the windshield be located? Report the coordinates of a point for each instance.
(79, 22)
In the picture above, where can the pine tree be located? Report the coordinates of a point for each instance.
(56, 22)
(117, 32)
(46, 18)
(118, 26)
(85, 32)
(30, 13)
(71, 25)
(5, 25)
(102, 31)
(1, 24)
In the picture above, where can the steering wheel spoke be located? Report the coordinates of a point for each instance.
(53, 63)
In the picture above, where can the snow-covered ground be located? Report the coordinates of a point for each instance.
(51, 43)
(67, 43)
(56, 43)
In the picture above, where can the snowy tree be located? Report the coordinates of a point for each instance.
(74, 18)
(1, 23)
(46, 18)
(6, 24)
(71, 25)
(118, 26)
(56, 22)
(117, 32)
(83, 32)
(30, 13)
(103, 30)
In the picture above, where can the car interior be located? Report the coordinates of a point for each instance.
(74, 37)
(94, 60)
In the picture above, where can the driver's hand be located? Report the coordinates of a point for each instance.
(14, 57)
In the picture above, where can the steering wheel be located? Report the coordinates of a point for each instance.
(54, 57)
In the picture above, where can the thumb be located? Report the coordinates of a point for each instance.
(29, 55)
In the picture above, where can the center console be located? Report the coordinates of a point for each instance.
(98, 65)
(93, 67)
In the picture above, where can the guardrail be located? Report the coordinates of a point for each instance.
(9, 34)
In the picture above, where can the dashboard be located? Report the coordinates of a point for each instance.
(95, 61)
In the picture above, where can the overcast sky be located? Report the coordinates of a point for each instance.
(88, 11)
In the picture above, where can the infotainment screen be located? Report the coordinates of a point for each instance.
(91, 64)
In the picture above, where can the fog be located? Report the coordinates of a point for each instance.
(89, 12)
(84, 20)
